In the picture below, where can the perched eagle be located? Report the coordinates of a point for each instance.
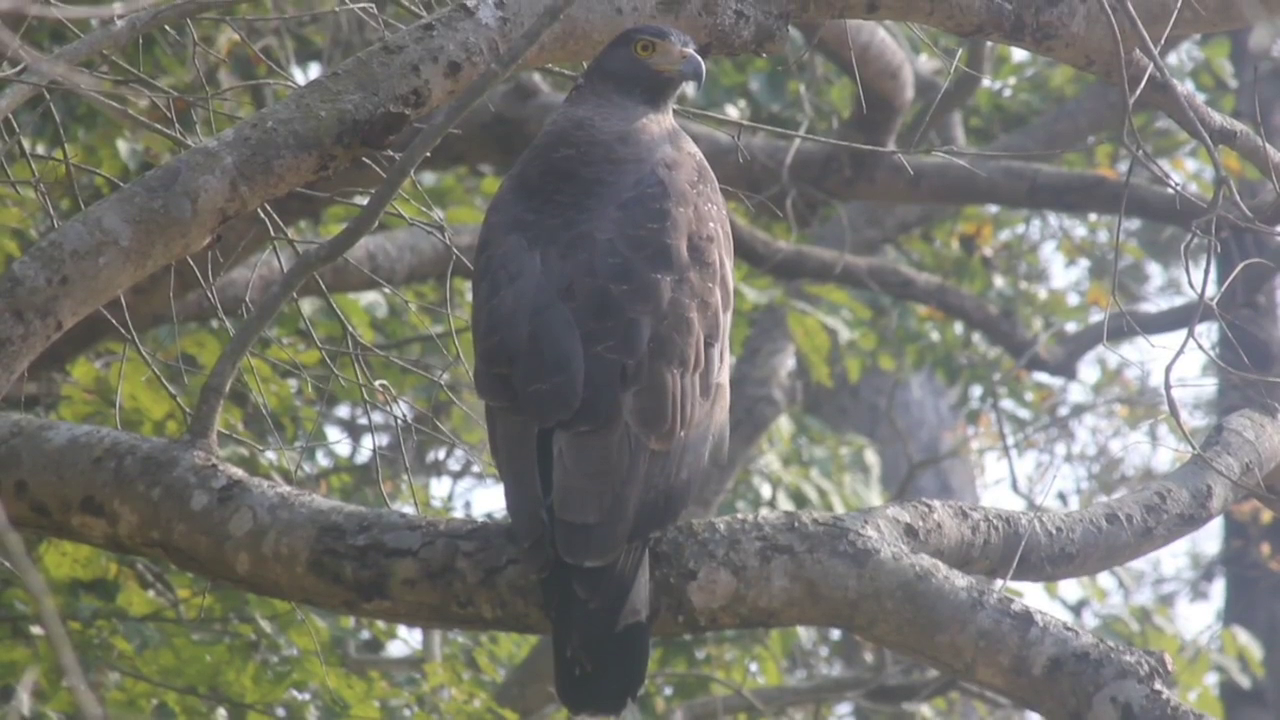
(602, 298)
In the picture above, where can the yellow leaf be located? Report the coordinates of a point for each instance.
(979, 233)
(932, 314)
(1231, 162)
(1097, 296)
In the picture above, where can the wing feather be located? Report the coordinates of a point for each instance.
(612, 327)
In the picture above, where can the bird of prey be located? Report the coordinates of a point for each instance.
(602, 298)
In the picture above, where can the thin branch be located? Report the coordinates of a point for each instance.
(204, 418)
(807, 262)
(54, 630)
(1207, 126)
(105, 39)
(775, 699)
(391, 258)
(952, 95)
(1118, 326)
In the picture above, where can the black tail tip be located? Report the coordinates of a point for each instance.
(603, 676)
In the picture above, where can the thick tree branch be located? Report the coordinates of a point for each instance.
(871, 56)
(389, 258)
(877, 573)
(1120, 325)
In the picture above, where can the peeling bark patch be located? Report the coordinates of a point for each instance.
(198, 500)
(713, 588)
(912, 533)
(241, 522)
(92, 506)
(420, 99)
(227, 492)
(337, 559)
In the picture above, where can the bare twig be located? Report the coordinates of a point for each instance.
(71, 12)
(105, 39)
(204, 418)
(807, 262)
(49, 620)
(953, 95)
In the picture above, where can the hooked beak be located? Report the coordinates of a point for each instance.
(692, 69)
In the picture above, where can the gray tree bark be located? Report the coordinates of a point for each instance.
(1249, 351)
(899, 575)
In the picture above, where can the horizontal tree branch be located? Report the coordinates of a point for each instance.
(388, 258)
(878, 573)
(809, 262)
(402, 256)
(1120, 325)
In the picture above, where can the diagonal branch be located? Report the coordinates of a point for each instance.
(105, 39)
(174, 210)
(14, 554)
(204, 419)
(807, 262)
(388, 258)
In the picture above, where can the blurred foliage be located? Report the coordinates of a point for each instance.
(366, 398)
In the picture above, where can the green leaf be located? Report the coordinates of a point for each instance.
(814, 344)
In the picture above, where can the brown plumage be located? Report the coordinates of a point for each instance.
(602, 298)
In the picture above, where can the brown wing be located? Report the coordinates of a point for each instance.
(656, 338)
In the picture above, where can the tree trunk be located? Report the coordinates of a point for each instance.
(1249, 350)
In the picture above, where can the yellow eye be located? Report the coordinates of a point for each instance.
(644, 48)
